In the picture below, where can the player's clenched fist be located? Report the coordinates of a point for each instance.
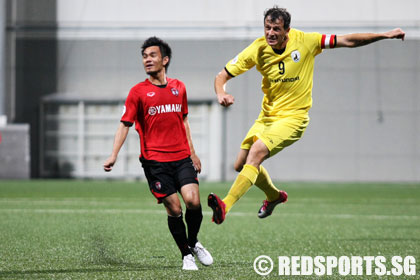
(396, 33)
(225, 99)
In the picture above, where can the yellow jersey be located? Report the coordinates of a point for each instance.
(287, 78)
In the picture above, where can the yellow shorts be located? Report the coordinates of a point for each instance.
(276, 134)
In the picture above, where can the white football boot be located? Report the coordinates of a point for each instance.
(188, 263)
(202, 254)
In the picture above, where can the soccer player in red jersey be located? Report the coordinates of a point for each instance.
(158, 107)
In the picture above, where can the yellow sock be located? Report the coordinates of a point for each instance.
(245, 179)
(266, 185)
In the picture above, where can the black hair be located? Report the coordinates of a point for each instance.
(278, 13)
(165, 50)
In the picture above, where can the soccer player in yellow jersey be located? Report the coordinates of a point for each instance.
(285, 58)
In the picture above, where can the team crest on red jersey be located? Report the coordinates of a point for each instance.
(152, 111)
(158, 186)
(175, 91)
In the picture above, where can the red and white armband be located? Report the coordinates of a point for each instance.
(328, 41)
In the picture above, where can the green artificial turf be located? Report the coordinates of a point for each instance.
(69, 229)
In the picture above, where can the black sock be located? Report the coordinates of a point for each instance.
(193, 217)
(177, 228)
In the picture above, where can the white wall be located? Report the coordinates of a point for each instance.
(232, 12)
(226, 18)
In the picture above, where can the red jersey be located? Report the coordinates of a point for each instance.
(159, 117)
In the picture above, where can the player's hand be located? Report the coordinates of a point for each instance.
(225, 99)
(196, 163)
(396, 33)
(109, 163)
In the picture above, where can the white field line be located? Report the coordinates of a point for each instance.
(105, 200)
(110, 201)
(67, 201)
(207, 213)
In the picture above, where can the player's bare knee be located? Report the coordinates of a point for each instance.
(238, 166)
(173, 208)
(193, 204)
(240, 160)
(174, 212)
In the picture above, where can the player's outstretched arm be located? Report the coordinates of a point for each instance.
(361, 39)
(119, 140)
(220, 81)
(195, 159)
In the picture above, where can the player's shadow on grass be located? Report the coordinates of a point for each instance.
(100, 256)
(112, 267)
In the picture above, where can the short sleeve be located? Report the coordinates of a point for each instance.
(316, 42)
(313, 42)
(244, 61)
(130, 107)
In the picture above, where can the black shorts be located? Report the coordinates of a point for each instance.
(166, 178)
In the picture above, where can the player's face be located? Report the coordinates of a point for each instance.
(152, 60)
(275, 34)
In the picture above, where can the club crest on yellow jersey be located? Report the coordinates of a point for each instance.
(295, 56)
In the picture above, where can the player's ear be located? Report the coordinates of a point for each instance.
(165, 60)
